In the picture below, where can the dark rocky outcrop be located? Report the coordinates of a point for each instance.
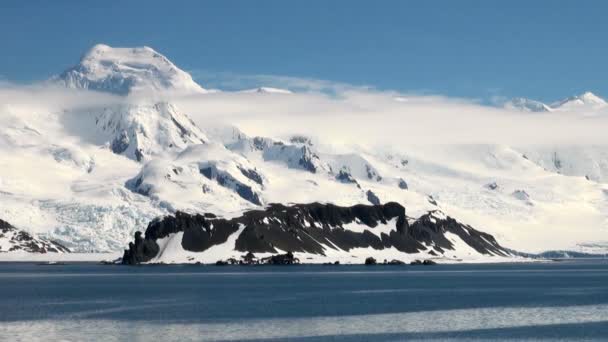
(402, 184)
(372, 197)
(231, 261)
(298, 155)
(250, 259)
(281, 259)
(140, 250)
(20, 240)
(312, 228)
(521, 195)
(120, 143)
(252, 174)
(308, 159)
(344, 176)
(247, 259)
(423, 262)
(370, 261)
(372, 173)
(492, 186)
(228, 181)
(301, 139)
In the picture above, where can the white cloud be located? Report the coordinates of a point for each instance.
(234, 81)
(354, 115)
(388, 118)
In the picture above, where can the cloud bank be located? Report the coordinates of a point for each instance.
(351, 115)
(388, 118)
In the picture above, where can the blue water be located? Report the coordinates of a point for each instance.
(87, 302)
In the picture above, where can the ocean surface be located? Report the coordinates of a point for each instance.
(561, 301)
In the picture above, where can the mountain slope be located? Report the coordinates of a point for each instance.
(142, 131)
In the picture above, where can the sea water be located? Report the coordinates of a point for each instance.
(563, 301)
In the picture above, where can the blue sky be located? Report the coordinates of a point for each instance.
(476, 49)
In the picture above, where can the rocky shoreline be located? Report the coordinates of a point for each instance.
(284, 233)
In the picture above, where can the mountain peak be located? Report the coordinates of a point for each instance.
(127, 70)
(527, 105)
(590, 97)
(268, 90)
(585, 99)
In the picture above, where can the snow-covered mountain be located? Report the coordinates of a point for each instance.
(268, 90)
(582, 103)
(91, 176)
(527, 105)
(140, 131)
(587, 100)
(127, 70)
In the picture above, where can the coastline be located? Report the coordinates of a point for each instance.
(110, 258)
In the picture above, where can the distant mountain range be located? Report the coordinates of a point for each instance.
(584, 101)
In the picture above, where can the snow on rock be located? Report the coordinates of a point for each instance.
(527, 105)
(521, 195)
(127, 70)
(300, 153)
(590, 162)
(295, 156)
(267, 90)
(491, 186)
(317, 232)
(355, 164)
(142, 131)
(587, 100)
(203, 173)
(372, 197)
(16, 240)
(72, 156)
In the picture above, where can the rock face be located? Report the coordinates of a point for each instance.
(372, 197)
(226, 180)
(13, 239)
(314, 229)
